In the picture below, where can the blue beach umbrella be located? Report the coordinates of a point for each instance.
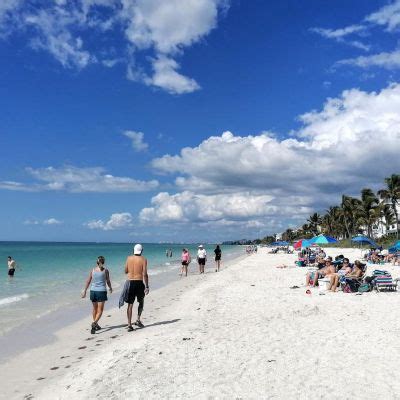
(361, 239)
(280, 243)
(322, 239)
(302, 243)
(395, 248)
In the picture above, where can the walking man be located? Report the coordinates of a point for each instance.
(201, 258)
(136, 270)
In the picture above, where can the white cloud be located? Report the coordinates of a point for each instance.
(49, 221)
(166, 77)
(341, 34)
(163, 28)
(351, 143)
(388, 15)
(388, 60)
(52, 221)
(137, 140)
(116, 221)
(78, 180)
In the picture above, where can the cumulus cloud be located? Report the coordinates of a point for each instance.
(116, 221)
(351, 143)
(166, 76)
(188, 206)
(163, 28)
(78, 180)
(137, 140)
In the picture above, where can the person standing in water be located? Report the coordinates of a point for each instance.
(201, 258)
(185, 257)
(97, 280)
(218, 254)
(11, 266)
(136, 270)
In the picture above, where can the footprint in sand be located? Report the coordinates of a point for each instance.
(108, 316)
(113, 337)
(40, 379)
(82, 347)
(64, 357)
(53, 368)
(67, 366)
(80, 358)
(100, 340)
(97, 344)
(89, 338)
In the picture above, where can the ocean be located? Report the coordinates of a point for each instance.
(51, 276)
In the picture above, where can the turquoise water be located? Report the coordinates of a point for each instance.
(51, 275)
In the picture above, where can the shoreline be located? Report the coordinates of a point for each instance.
(240, 333)
(59, 334)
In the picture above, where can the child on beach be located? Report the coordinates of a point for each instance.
(98, 278)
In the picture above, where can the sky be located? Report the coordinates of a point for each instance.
(195, 121)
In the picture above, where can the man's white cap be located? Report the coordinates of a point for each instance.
(137, 250)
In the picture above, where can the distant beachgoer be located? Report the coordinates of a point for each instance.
(218, 255)
(11, 266)
(201, 258)
(98, 278)
(170, 252)
(185, 257)
(136, 270)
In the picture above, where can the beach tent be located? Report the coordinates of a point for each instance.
(280, 243)
(361, 239)
(322, 239)
(302, 243)
(395, 248)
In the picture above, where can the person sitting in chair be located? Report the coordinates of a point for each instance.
(326, 271)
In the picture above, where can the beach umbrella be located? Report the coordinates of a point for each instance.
(395, 248)
(302, 243)
(322, 239)
(361, 239)
(280, 243)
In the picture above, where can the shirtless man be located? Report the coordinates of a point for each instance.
(11, 266)
(326, 271)
(136, 270)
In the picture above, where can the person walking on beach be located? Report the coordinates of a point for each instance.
(201, 258)
(98, 278)
(138, 287)
(11, 266)
(218, 255)
(185, 258)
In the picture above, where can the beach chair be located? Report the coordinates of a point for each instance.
(351, 285)
(383, 281)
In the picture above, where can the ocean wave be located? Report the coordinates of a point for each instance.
(13, 299)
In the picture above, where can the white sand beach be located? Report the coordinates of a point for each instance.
(241, 333)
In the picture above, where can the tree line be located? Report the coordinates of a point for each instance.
(354, 215)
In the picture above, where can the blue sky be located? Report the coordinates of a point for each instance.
(199, 121)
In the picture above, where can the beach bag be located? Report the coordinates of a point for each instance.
(351, 286)
(364, 287)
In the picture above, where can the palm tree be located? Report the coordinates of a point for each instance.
(388, 214)
(348, 214)
(391, 194)
(314, 221)
(368, 210)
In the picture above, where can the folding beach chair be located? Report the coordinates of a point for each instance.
(384, 281)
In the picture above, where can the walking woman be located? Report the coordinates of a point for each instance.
(218, 254)
(97, 280)
(185, 257)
